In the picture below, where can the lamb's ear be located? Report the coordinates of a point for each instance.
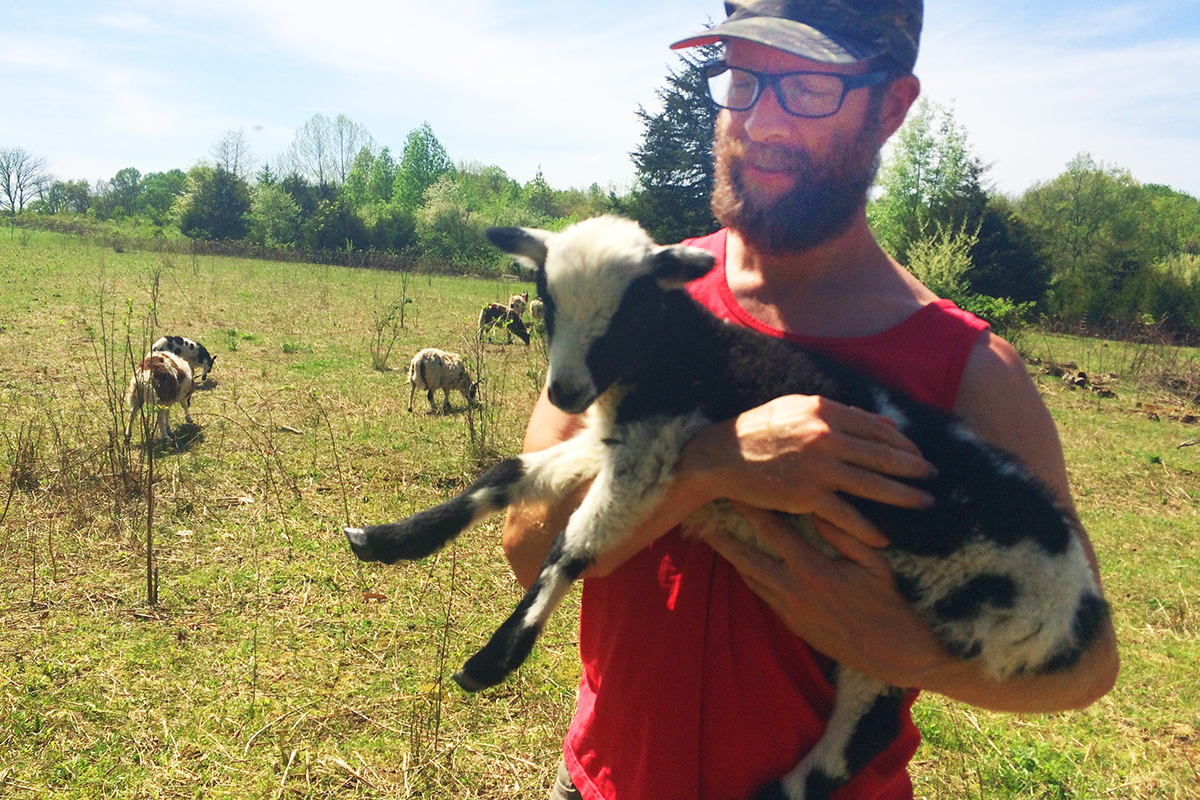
(676, 265)
(528, 244)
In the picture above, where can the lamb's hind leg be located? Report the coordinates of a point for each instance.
(546, 474)
(864, 722)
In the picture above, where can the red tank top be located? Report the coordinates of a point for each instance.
(692, 688)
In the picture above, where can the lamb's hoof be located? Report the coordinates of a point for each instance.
(360, 544)
(467, 683)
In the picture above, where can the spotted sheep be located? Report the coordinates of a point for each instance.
(160, 379)
(192, 352)
(497, 315)
(432, 369)
(995, 567)
(518, 302)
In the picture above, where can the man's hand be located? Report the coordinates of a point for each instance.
(796, 453)
(846, 608)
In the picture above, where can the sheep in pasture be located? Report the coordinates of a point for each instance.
(996, 567)
(161, 379)
(536, 309)
(433, 369)
(518, 302)
(192, 352)
(495, 315)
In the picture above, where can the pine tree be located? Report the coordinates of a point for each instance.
(674, 163)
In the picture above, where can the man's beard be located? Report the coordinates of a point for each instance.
(820, 205)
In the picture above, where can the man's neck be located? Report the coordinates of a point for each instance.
(847, 286)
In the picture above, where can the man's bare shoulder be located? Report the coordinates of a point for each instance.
(1000, 403)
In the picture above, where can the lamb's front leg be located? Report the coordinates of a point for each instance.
(625, 490)
(865, 721)
(544, 475)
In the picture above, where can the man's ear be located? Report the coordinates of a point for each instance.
(676, 265)
(528, 244)
(897, 100)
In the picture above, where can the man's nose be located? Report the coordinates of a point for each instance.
(767, 120)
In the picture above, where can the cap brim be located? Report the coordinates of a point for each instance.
(786, 35)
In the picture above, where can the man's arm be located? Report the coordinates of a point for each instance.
(760, 458)
(850, 610)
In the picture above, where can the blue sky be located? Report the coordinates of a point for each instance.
(98, 86)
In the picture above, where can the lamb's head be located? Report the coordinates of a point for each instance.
(601, 282)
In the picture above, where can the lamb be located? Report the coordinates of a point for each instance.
(518, 302)
(161, 379)
(996, 567)
(536, 309)
(495, 315)
(192, 352)
(432, 369)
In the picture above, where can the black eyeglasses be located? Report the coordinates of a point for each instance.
(802, 94)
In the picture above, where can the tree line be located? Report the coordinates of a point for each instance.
(1092, 245)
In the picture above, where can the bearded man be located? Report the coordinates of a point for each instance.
(705, 663)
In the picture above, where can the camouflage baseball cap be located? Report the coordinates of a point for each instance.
(829, 31)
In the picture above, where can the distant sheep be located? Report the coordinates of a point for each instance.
(161, 379)
(518, 302)
(495, 315)
(192, 352)
(433, 369)
(537, 309)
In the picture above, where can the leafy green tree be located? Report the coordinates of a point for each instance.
(381, 182)
(335, 226)
(1005, 259)
(674, 163)
(931, 178)
(389, 227)
(449, 230)
(159, 191)
(354, 190)
(1173, 226)
(64, 197)
(1086, 225)
(940, 260)
(124, 193)
(215, 204)
(540, 198)
(422, 164)
(274, 217)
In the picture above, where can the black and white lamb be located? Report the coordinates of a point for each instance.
(194, 353)
(995, 567)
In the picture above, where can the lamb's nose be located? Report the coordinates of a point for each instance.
(572, 399)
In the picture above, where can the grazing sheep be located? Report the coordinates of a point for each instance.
(495, 315)
(192, 352)
(518, 302)
(536, 309)
(433, 369)
(161, 379)
(996, 567)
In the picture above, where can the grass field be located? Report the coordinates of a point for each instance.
(275, 666)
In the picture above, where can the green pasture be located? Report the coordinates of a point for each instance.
(275, 666)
